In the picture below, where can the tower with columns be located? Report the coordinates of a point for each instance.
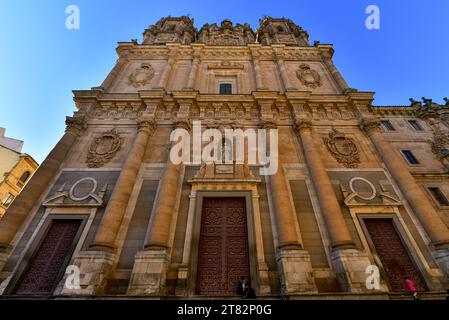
(358, 201)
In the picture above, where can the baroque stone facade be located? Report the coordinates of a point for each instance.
(352, 179)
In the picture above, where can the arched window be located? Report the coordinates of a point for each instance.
(24, 177)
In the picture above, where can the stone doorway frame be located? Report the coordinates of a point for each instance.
(407, 240)
(187, 271)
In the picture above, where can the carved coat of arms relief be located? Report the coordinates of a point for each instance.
(103, 148)
(343, 149)
(141, 76)
(308, 77)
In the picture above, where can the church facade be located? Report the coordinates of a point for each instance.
(359, 199)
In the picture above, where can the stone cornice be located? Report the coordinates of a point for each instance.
(136, 51)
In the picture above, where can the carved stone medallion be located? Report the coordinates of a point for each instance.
(308, 77)
(103, 148)
(141, 76)
(343, 149)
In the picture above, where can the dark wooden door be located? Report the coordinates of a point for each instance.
(393, 255)
(223, 247)
(46, 265)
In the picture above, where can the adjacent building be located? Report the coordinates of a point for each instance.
(359, 199)
(16, 168)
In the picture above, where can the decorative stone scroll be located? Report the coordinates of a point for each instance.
(103, 148)
(141, 76)
(308, 77)
(343, 149)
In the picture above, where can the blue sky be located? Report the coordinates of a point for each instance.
(41, 62)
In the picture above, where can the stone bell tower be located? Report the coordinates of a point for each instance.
(281, 31)
(170, 30)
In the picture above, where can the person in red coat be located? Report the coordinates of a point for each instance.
(411, 287)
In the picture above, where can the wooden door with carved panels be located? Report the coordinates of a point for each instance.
(47, 264)
(223, 246)
(393, 255)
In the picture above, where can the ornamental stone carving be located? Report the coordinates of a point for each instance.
(440, 143)
(141, 76)
(226, 34)
(343, 149)
(308, 77)
(103, 148)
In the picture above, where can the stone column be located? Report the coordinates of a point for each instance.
(283, 72)
(193, 72)
(294, 263)
(257, 74)
(429, 218)
(22, 205)
(150, 266)
(285, 220)
(349, 264)
(115, 210)
(338, 231)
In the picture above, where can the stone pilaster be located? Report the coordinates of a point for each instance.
(20, 208)
(193, 71)
(167, 70)
(283, 72)
(256, 68)
(115, 210)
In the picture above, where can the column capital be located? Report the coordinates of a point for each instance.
(182, 124)
(370, 124)
(268, 124)
(302, 125)
(75, 124)
(146, 124)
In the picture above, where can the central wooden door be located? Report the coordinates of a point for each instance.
(48, 264)
(223, 246)
(393, 255)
